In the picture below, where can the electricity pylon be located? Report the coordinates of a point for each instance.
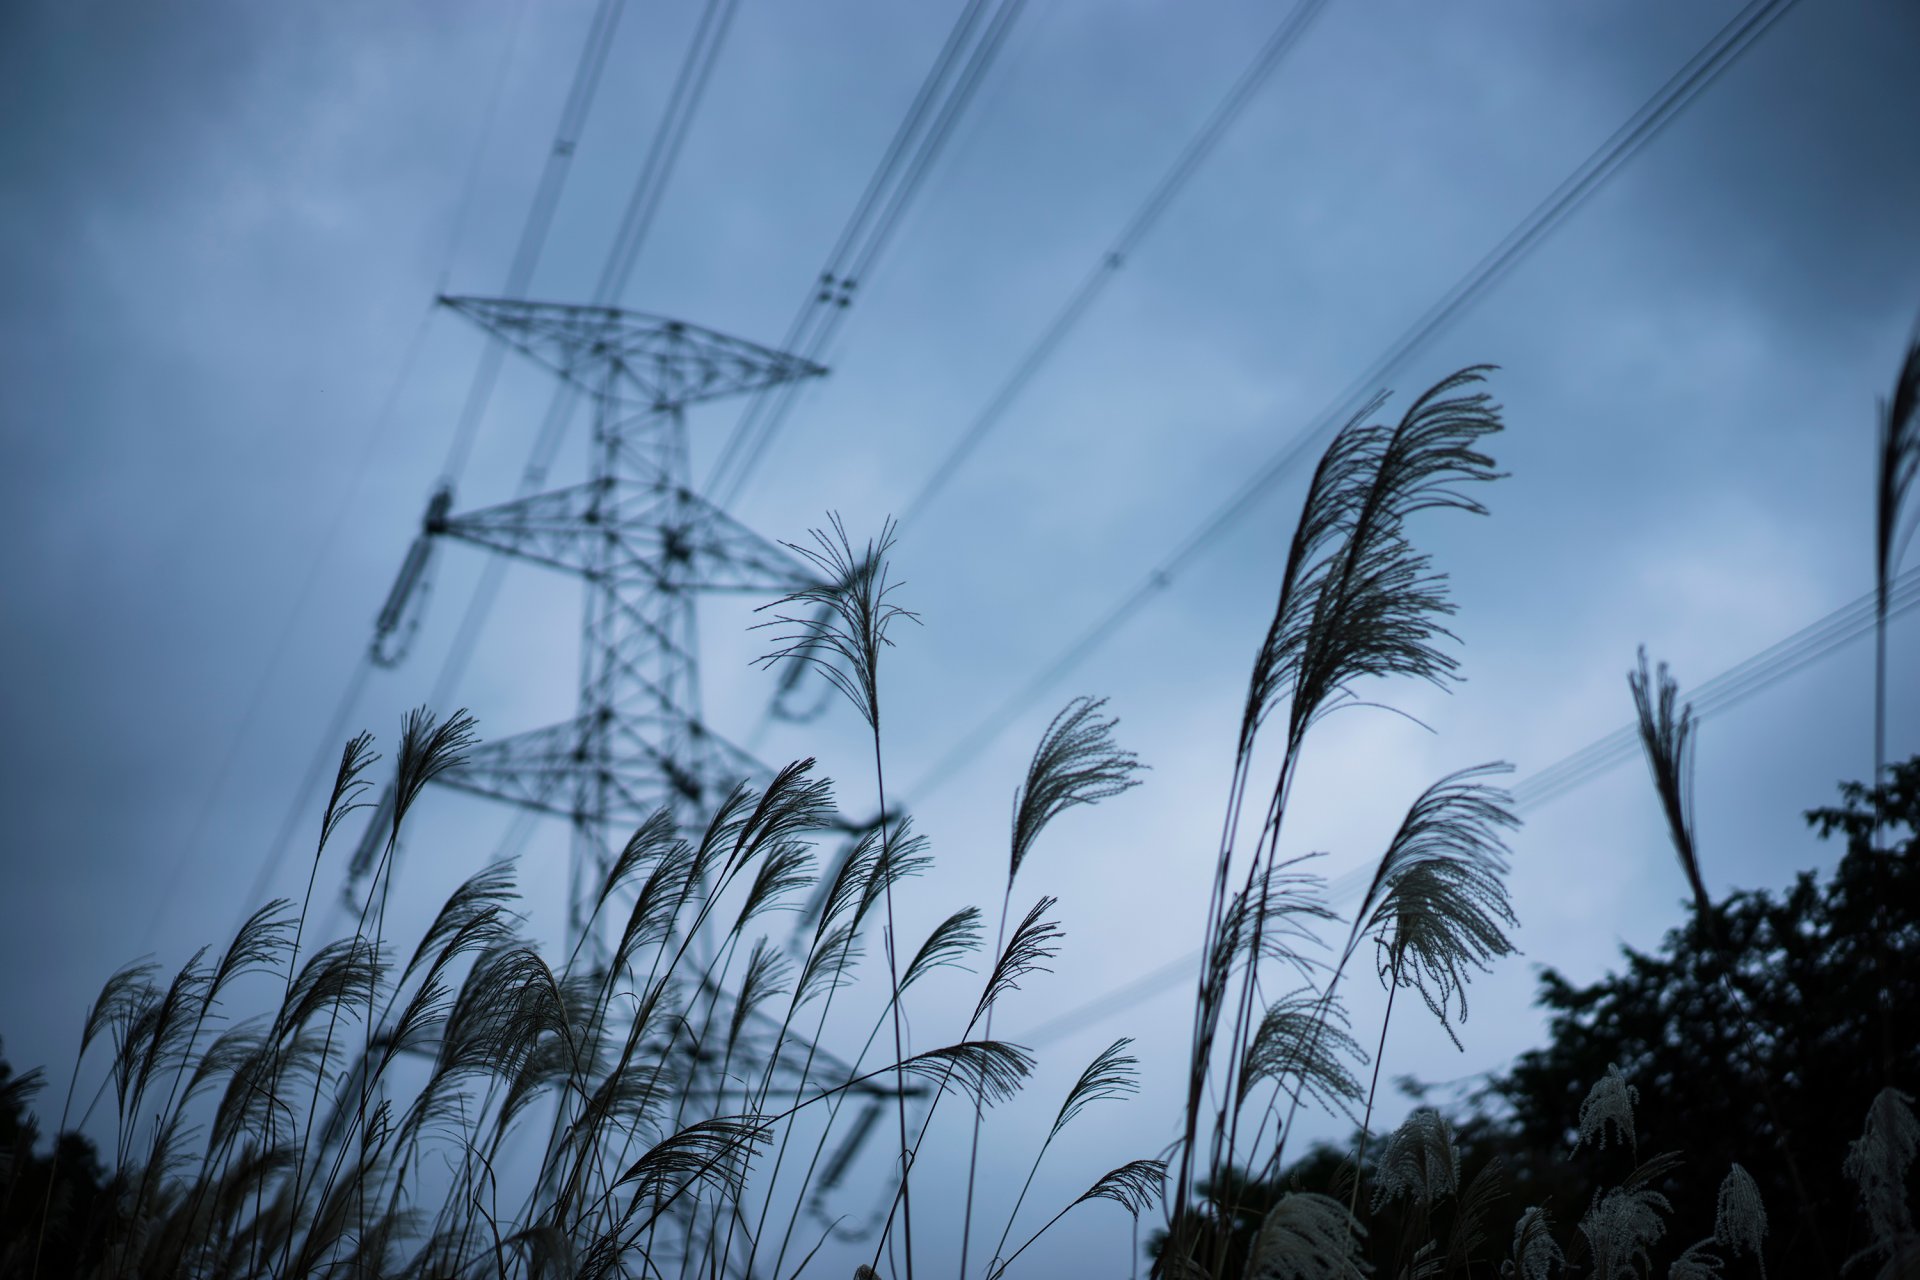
(646, 547)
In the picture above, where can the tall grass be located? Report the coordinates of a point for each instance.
(468, 1106)
(1357, 602)
(667, 1104)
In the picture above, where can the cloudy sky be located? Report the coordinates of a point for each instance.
(226, 396)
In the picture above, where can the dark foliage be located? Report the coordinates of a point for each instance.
(62, 1190)
(1797, 985)
(1793, 987)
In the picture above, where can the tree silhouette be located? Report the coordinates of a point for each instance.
(1790, 988)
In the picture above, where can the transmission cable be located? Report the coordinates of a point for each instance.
(682, 102)
(689, 85)
(539, 223)
(1198, 148)
(533, 236)
(1679, 93)
(812, 307)
(696, 69)
(1735, 685)
(944, 96)
(782, 398)
(256, 701)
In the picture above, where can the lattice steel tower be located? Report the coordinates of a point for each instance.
(646, 546)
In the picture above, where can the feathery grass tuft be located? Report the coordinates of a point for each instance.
(429, 747)
(1306, 1036)
(711, 1152)
(1666, 736)
(1135, 1186)
(1032, 945)
(1739, 1217)
(1308, 1236)
(1421, 1161)
(1608, 1105)
(1621, 1226)
(1437, 905)
(348, 784)
(1076, 763)
(953, 939)
(1113, 1074)
(1356, 599)
(1877, 1163)
(1699, 1262)
(843, 636)
(1535, 1253)
(990, 1070)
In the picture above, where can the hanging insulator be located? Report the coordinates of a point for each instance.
(850, 1146)
(786, 704)
(399, 617)
(366, 854)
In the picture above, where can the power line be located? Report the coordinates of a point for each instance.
(1770, 665)
(1735, 685)
(841, 280)
(534, 232)
(689, 86)
(1680, 92)
(944, 96)
(256, 701)
(539, 221)
(376, 435)
(833, 292)
(1198, 148)
(696, 68)
(458, 229)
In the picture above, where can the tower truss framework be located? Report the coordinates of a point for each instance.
(646, 547)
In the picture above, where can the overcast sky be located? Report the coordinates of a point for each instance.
(223, 225)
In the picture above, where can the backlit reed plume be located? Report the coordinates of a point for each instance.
(1356, 602)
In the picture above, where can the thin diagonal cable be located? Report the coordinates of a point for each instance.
(923, 159)
(533, 236)
(539, 223)
(1728, 689)
(1732, 686)
(256, 701)
(1681, 91)
(810, 312)
(971, 76)
(457, 232)
(903, 171)
(683, 102)
(1198, 148)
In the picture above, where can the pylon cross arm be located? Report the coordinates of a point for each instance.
(665, 536)
(663, 362)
